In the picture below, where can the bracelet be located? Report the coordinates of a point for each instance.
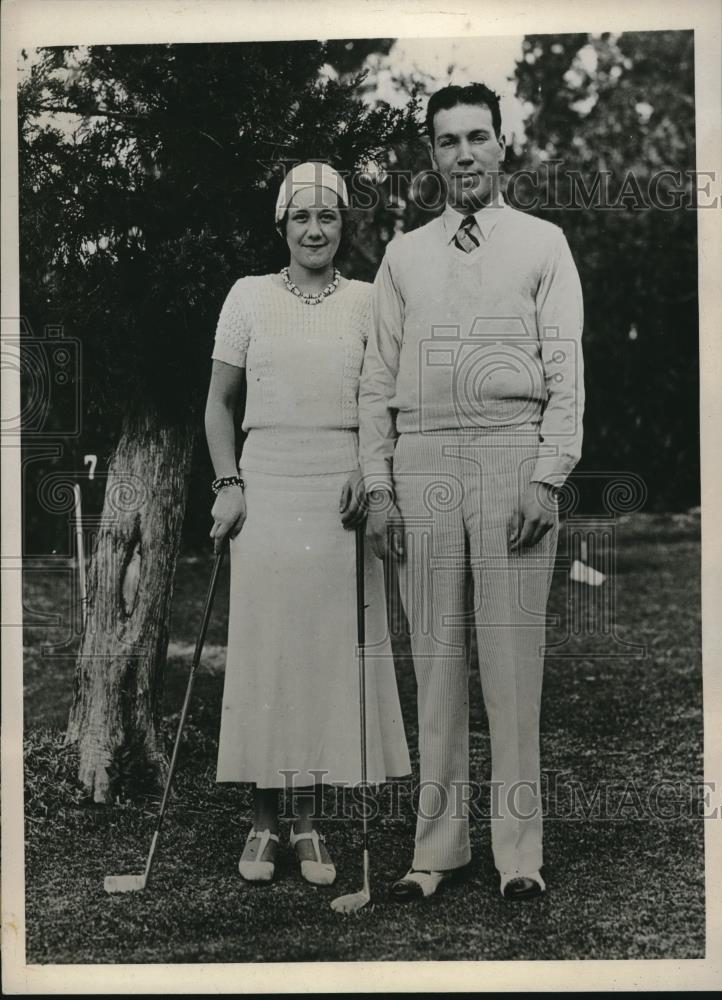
(218, 484)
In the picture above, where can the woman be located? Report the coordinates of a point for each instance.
(290, 703)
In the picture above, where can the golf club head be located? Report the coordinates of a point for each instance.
(124, 883)
(352, 902)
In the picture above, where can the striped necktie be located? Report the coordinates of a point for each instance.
(465, 239)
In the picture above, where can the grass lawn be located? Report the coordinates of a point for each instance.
(625, 872)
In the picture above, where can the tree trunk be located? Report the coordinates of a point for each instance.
(119, 671)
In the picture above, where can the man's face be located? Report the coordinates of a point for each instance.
(467, 154)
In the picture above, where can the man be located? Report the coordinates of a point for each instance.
(469, 420)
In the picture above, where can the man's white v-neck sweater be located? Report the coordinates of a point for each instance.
(491, 338)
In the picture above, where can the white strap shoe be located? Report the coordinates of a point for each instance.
(254, 869)
(316, 872)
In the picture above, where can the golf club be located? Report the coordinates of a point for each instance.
(136, 883)
(354, 901)
(81, 554)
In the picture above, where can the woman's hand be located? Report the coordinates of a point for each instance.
(352, 503)
(228, 513)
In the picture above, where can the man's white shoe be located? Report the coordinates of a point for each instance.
(428, 882)
(518, 885)
(422, 884)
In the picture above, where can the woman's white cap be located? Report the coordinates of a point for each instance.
(309, 175)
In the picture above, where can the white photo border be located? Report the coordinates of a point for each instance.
(30, 23)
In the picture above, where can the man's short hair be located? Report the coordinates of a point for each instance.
(473, 93)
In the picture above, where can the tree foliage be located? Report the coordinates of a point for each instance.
(148, 175)
(620, 110)
(617, 111)
(148, 180)
(140, 208)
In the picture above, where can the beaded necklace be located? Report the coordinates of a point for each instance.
(307, 298)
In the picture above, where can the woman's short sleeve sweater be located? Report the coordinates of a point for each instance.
(303, 364)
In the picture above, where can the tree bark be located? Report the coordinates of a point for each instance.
(119, 671)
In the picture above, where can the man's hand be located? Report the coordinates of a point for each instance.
(384, 525)
(536, 515)
(352, 504)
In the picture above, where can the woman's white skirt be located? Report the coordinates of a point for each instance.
(290, 714)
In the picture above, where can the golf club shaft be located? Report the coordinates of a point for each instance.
(81, 553)
(184, 711)
(361, 625)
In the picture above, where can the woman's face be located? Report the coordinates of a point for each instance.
(313, 227)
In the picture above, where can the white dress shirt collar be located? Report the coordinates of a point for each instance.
(486, 218)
